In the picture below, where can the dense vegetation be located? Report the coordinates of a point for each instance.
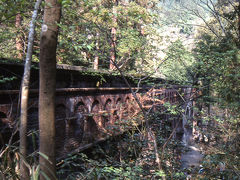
(191, 42)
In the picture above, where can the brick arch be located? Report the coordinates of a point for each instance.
(108, 105)
(93, 122)
(32, 130)
(33, 118)
(118, 101)
(88, 101)
(117, 114)
(127, 98)
(2, 115)
(60, 111)
(81, 107)
(132, 106)
(75, 125)
(60, 124)
(3, 127)
(91, 130)
(126, 104)
(95, 110)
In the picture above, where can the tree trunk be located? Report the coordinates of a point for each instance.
(238, 23)
(19, 45)
(96, 59)
(48, 45)
(24, 96)
(113, 38)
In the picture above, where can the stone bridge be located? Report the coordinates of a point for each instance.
(90, 106)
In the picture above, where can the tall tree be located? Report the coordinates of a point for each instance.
(19, 45)
(238, 12)
(113, 35)
(48, 46)
(24, 95)
(96, 59)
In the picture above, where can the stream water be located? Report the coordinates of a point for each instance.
(192, 157)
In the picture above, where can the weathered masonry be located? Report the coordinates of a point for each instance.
(90, 106)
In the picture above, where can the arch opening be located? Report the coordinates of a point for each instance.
(131, 106)
(117, 114)
(91, 130)
(75, 126)
(32, 130)
(60, 125)
(125, 107)
(4, 129)
(81, 108)
(2, 115)
(96, 107)
(107, 108)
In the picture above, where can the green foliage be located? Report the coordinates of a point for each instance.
(85, 32)
(217, 55)
(160, 174)
(119, 173)
(6, 79)
(221, 152)
(101, 163)
(178, 66)
(217, 69)
(7, 168)
(10, 34)
(172, 109)
(9, 9)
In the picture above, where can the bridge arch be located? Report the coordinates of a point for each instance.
(81, 107)
(117, 114)
(118, 102)
(95, 109)
(108, 107)
(93, 122)
(74, 126)
(126, 104)
(32, 130)
(132, 106)
(2, 115)
(3, 128)
(60, 124)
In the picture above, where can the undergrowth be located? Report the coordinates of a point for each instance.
(129, 156)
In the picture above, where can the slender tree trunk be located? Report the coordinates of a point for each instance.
(24, 96)
(238, 13)
(96, 60)
(48, 45)
(19, 45)
(114, 37)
